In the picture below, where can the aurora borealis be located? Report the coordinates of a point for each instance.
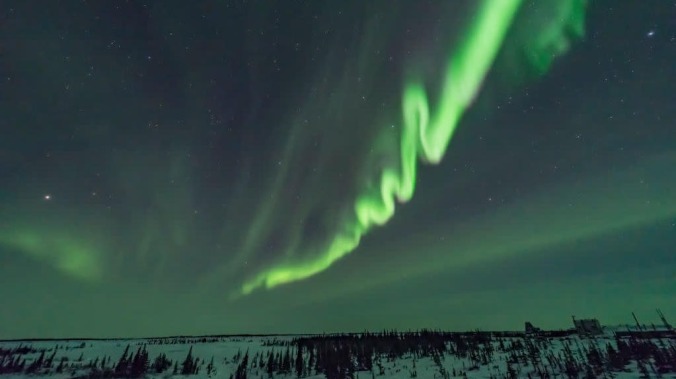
(251, 167)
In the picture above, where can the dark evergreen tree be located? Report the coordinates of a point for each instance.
(589, 372)
(299, 361)
(311, 360)
(319, 360)
(33, 367)
(643, 370)
(50, 360)
(254, 361)
(287, 361)
(368, 359)
(5, 363)
(241, 372)
(279, 362)
(188, 365)
(139, 365)
(210, 366)
(123, 363)
(161, 363)
(270, 367)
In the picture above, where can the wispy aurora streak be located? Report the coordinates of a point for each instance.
(425, 135)
(71, 255)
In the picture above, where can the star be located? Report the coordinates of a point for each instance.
(650, 34)
(48, 197)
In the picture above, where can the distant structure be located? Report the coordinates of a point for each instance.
(587, 326)
(530, 329)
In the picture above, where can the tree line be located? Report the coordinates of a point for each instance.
(343, 355)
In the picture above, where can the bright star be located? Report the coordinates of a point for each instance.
(650, 33)
(48, 197)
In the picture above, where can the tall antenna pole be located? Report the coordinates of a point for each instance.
(638, 325)
(664, 320)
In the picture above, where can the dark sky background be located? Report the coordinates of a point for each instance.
(160, 160)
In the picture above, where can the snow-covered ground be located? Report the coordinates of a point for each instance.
(482, 360)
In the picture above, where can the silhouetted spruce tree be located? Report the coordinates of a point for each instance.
(13, 363)
(662, 363)
(34, 366)
(161, 363)
(187, 367)
(286, 362)
(50, 360)
(133, 361)
(319, 361)
(330, 362)
(346, 363)
(6, 365)
(139, 365)
(643, 370)
(175, 371)
(17, 363)
(311, 360)
(279, 362)
(210, 366)
(368, 359)
(122, 363)
(241, 371)
(589, 372)
(270, 367)
(299, 361)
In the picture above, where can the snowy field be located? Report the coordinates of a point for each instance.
(374, 356)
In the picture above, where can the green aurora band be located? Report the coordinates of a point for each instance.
(425, 129)
(426, 134)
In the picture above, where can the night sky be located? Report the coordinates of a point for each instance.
(208, 167)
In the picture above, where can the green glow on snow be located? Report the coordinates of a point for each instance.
(424, 135)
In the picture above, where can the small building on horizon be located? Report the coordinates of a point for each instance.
(587, 326)
(530, 329)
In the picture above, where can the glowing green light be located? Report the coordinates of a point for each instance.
(426, 130)
(69, 255)
(422, 137)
